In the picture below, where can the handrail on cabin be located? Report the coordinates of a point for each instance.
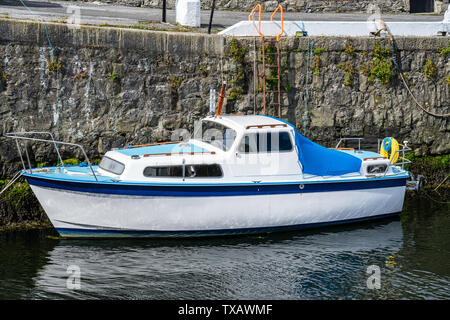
(179, 153)
(150, 144)
(260, 126)
(344, 139)
(340, 149)
(250, 18)
(282, 24)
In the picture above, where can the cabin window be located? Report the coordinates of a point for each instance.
(111, 165)
(169, 171)
(265, 142)
(377, 168)
(217, 135)
(190, 171)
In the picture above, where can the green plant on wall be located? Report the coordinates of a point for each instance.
(203, 71)
(54, 65)
(319, 50)
(18, 194)
(237, 52)
(349, 49)
(239, 80)
(444, 51)
(240, 76)
(316, 67)
(430, 70)
(382, 70)
(349, 72)
(269, 53)
(113, 76)
(380, 66)
(433, 163)
(270, 59)
(272, 82)
(71, 162)
(234, 93)
(175, 82)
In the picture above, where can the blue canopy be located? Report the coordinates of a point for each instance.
(321, 161)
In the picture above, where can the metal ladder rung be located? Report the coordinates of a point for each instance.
(274, 63)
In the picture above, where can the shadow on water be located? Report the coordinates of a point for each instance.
(22, 255)
(327, 263)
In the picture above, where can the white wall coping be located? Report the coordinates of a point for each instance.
(337, 28)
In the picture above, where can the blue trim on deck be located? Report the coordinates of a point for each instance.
(215, 190)
(98, 233)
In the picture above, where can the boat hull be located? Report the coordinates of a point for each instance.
(79, 210)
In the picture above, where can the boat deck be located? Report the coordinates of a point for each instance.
(76, 173)
(83, 174)
(362, 154)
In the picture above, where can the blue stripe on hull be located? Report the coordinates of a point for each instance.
(187, 190)
(97, 233)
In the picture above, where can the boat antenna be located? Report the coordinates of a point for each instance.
(212, 99)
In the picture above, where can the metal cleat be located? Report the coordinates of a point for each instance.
(413, 184)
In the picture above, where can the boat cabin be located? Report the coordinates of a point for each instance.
(235, 148)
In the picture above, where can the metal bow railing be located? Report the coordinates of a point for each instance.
(24, 136)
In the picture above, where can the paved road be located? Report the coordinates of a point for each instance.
(96, 13)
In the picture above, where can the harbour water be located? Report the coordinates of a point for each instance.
(410, 255)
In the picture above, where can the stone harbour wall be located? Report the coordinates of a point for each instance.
(122, 86)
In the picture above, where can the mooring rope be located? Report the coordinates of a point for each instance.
(431, 198)
(305, 116)
(57, 70)
(440, 184)
(394, 59)
(11, 182)
(310, 47)
(255, 77)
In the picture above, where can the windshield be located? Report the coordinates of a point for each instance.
(217, 135)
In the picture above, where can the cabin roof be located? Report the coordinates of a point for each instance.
(243, 122)
(163, 148)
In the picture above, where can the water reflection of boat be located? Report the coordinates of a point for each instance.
(23, 254)
(292, 265)
(243, 174)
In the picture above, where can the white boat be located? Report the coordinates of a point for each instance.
(238, 174)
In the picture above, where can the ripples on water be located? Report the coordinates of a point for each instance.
(411, 251)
